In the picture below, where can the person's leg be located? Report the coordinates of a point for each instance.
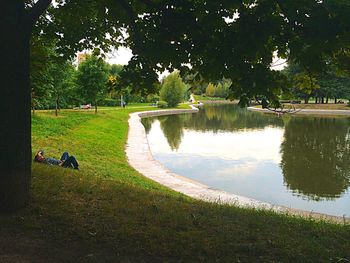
(74, 162)
(64, 156)
(71, 162)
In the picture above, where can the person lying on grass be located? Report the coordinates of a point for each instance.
(65, 161)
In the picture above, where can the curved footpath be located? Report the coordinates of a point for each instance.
(307, 111)
(140, 158)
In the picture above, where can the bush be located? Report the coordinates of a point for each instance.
(210, 90)
(172, 90)
(162, 104)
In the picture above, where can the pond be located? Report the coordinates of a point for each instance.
(294, 161)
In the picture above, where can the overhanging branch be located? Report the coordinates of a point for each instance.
(37, 10)
(132, 19)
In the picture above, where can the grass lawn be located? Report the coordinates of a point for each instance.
(108, 212)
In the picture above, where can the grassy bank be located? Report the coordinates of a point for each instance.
(107, 212)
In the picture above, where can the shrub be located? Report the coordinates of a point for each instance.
(162, 104)
(210, 90)
(172, 90)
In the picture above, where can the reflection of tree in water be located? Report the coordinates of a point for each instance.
(172, 127)
(211, 118)
(316, 157)
(147, 123)
(230, 118)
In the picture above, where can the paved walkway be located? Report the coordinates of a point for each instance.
(140, 157)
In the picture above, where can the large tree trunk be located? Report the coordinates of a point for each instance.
(15, 125)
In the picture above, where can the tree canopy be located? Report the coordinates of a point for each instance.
(92, 76)
(232, 39)
(173, 89)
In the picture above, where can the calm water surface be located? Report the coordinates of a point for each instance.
(294, 161)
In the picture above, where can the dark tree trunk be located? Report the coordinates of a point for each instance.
(327, 100)
(57, 106)
(322, 100)
(15, 101)
(335, 100)
(95, 107)
(15, 131)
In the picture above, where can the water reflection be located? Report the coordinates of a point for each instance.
(316, 157)
(293, 161)
(229, 118)
(172, 127)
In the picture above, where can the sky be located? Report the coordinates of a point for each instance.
(122, 56)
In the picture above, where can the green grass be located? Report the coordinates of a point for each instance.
(108, 212)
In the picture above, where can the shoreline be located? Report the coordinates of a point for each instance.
(141, 159)
(306, 111)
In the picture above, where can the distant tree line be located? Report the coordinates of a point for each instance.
(329, 85)
(57, 83)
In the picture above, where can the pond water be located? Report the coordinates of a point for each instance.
(294, 161)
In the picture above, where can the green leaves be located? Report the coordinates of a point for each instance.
(91, 78)
(232, 39)
(172, 90)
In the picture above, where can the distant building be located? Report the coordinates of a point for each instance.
(81, 57)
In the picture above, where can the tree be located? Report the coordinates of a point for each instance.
(41, 80)
(91, 78)
(210, 90)
(305, 85)
(113, 78)
(63, 74)
(209, 36)
(330, 83)
(333, 85)
(172, 90)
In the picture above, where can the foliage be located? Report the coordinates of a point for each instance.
(91, 79)
(64, 86)
(162, 104)
(305, 84)
(41, 80)
(210, 90)
(52, 78)
(169, 36)
(333, 86)
(172, 90)
(113, 89)
(109, 102)
(220, 90)
(328, 84)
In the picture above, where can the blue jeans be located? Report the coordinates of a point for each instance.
(69, 161)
